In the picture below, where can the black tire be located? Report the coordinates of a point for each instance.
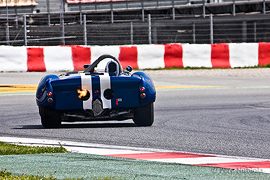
(144, 116)
(50, 118)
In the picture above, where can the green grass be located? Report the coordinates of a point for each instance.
(13, 149)
(5, 175)
(9, 149)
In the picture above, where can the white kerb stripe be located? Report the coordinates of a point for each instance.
(58, 58)
(13, 58)
(105, 83)
(151, 56)
(86, 81)
(244, 54)
(204, 160)
(197, 55)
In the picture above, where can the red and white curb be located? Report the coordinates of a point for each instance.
(229, 162)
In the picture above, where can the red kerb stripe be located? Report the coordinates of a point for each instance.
(264, 54)
(35, 59)
(170, 155)
(173, 56)
(220, 56)
(128, 56)
(240, 165)
(80, 56)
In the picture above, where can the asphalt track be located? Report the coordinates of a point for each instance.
(226, 114)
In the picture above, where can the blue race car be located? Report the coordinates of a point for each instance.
(103, 91)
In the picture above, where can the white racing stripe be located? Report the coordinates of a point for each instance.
(86, 81)
(105, 83)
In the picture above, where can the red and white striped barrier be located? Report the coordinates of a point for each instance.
(58, 58)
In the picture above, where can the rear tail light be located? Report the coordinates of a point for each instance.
(143, 95)
(96, 92)
(142, 89)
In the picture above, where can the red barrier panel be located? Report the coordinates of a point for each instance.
(220, 56)
(264, 54)
(173, 56)
(35, 59)
(80, 56)
(128, 56)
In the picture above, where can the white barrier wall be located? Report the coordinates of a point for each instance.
(13, 58)
(197, 55)
(69, 58)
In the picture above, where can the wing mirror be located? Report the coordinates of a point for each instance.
(86, 66)
(129, 68)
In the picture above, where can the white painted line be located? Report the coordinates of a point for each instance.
(208, 160)
(80, 147)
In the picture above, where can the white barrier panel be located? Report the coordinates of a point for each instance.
(243, 54)
(97, 51)
(13, 58)
(150, 56)
(58, 58)
(197, 55)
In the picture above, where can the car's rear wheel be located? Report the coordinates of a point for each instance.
(144, 116)
(50, 118)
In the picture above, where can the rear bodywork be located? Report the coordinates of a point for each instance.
(94, 95)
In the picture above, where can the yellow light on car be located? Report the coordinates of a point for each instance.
(82, 93)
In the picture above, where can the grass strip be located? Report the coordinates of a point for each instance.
(5, 175)
(11, 149)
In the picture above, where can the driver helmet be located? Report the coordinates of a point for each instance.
(112, 68)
